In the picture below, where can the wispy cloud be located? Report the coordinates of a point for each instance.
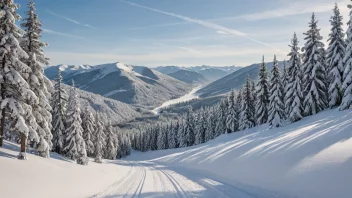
(290, 9)
(203, 23)
(187, 49)
(62, 34)
(158, 25)
(70, 20)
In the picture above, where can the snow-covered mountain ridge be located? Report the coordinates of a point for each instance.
(136, 85)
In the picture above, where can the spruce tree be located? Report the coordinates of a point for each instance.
(171, 136)
(222, 117)
(335, 54)
(98, 140)
(210, 129)
(59, 104)
(110, 149)
(38, 83)
(15, 94)
(276, 106)
(347, 74)
(247, 116)
(75, 147)
(189, 127)
(314, 78)
(232, 118)
(262, 93)
(88, 130)
(293, 89)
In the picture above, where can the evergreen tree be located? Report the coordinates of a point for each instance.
(347, 75)
(98, 140)
(171, 136)
(314, 78)
(262, 93)
(276, 107)
(232, 118)
(293, 89)
(88, 130)
(210, 129)
(335, 54)
(15, 94)
(189, 128)
(161, 138)
(222, 117)
(247, 117)
(110, 149)
(38, 83)
(75, 147)
(59, 103)
(284, 76)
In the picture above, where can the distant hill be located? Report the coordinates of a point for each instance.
(211, 73)
(188, 76)
(233, 81)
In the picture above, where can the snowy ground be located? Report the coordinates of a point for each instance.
(309, 159)
(191, 95)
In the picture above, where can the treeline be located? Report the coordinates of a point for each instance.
(37, 115)
(313, 80)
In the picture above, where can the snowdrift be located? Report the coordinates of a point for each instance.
(311, 158)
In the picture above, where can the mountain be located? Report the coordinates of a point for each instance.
(112, 110)
(212, 73)
(66, 70)
(188, 76)
(136, 85)
(233, 81)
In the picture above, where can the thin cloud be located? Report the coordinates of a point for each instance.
(70, 20)
(203, 23)
(158, 25)
(62, 34)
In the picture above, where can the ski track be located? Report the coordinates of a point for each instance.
(147, 179)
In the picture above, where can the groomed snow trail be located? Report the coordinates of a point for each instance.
(147, 179)
(191, 95)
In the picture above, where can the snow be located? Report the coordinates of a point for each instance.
(307, 159)
(191, 95)
(114, 92)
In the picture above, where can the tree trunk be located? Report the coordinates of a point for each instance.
(23, 143)
(2, 127)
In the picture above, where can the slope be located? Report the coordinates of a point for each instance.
(115, 111)
(190, 77)
(307, 159)
(233, 81)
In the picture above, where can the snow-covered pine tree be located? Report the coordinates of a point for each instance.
(98, 140)
(88, 131)
(335, 54)
(347, 74)
(247, 117)
(59, 103)
(262, 93)
(293, 89)
(189, 127)
(110, 149)
(161, 139)
(32, 45)
(75, 147)
(231, 121)
(284, 76)
(210, 128)
(15, 94)
(221, 126)
(314, 78)
(276, 106)
(171, 136)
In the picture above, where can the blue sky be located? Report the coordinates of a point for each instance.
(176, 32)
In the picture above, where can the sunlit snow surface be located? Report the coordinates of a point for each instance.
(191, 95)
(311, 158)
